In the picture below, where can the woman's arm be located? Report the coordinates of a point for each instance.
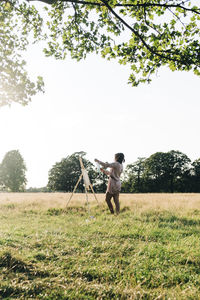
(105, 165)
(105, 172)
(101, 163)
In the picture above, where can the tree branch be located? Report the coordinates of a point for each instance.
(137, 34)
(124, 5)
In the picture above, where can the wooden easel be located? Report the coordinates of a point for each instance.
(87, 184)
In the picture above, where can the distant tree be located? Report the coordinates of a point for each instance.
(195, 178)
(155, 172)
(165, 170)
(133, 177)
(186, 183)
(64, 174)
(177, 167)
(161, 172)
(12, 171)
(37, 190)
(99, 182)
(196, 167)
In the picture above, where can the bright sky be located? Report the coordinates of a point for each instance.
(88, 106)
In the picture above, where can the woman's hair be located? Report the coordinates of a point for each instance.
(119, 157)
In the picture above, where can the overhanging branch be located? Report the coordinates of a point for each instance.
(170, 54)
(136, 33)
(145, 5)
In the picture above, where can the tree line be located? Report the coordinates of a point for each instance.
(166, 172)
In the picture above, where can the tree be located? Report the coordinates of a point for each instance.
(195, 178)
(155, 172)
(16, 22)
(12, 171)
(196, 166)
(177, 167)
(144, 34)
(133, 178)
(165, 170)
(160, 172)
(99, 182)
(64, 175)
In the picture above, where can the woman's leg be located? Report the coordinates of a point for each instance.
(108, 200)
(116, 200)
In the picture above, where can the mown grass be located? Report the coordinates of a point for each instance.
(150, 251)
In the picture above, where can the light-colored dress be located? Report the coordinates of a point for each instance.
(114, 183)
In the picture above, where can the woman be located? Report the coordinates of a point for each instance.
(114, 183)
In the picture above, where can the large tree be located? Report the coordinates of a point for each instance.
(146, 34)
(166, 170)
(64, 175)
(12, 172)
(161, 172)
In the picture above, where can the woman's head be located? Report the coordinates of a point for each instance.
(119, 157)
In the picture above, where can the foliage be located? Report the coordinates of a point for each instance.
(133, 179)
(37, 190)
(64, 175)
(141, 254)
(165, 169)
(99, 182)
(12, 171)
(196, 176)
(16, 22)
(143, 34)
(196, 166)
(163, 172)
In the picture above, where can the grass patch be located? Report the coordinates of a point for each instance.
(58, 253)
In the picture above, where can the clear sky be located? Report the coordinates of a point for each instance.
(88, 106)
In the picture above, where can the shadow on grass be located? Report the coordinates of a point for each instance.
(68, 210)
(82, 210)
(96, 274)
(167, 217)
(14, 292)
(8, 291)
(10, 265)
(15, 265)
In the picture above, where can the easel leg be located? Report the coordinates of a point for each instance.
(80, 177)
(87, 202)
(94, 194)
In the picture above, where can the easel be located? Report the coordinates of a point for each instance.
(87, 184)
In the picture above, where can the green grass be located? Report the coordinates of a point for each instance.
(57, 254)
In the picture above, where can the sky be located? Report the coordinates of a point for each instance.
(88, 106)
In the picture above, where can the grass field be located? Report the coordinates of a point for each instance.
(150, 251)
